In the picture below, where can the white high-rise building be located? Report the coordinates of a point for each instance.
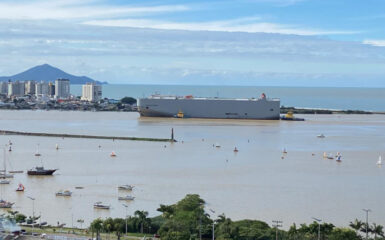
(62, 88)
(41, 89)
(16, 89)
(91, 92)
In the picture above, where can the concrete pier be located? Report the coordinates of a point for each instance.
(63, 135)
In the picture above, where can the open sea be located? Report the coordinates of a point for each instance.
(369, 99)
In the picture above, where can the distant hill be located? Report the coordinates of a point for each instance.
(48, 73)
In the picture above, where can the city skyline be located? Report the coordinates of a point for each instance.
(245, 42)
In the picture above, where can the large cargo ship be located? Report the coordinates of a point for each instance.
(220, 108)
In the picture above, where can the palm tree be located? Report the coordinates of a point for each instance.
(356, 225)
(96, 226)
(142, 216)
(377, 230)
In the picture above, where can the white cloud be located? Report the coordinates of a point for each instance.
(377, 43)
(236, 25)
(70, 9)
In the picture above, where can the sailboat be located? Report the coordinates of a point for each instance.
(3, 203)
(3, 173)
(37, 154)
(379, 162)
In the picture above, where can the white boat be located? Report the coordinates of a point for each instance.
(320, 136)
(284, 151)
(127, 198)
(20, 188)
(126, 187)
(100, 205)
(4, 181)
(330, 156)
(57, 146)
(113, 154)
(65, 193)
(379, 162)
(217, 145)
(339, 158)
(3, 173)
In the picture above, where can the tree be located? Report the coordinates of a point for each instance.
(108, 226)
(96, 226)
(143, 220)
(377, 230)
(20, 218)
(119, 226)
(128, 100)
(356, 225)
(343, 234)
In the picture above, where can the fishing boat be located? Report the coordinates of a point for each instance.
(126, 187)
(5, 204)
(20, 188)
(37, 154)
(379, 162)
(100, 205)
(40, 171)
(126, 198)
(113, 154)
(65, 193)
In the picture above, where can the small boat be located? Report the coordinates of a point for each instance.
(65, 193)
(57, 146)
(37, 154)
(235, 149)
(284, 151)
(325, 155)
(127, 198)
(217, 145)
(3, 181)
(10, 149)
(40, 171)
(320, 136)
(9, 142)
(20, 188)
(79, 187)
(180, 114)
(16, 171)
(126, 187)
(5, 204)
(379, 162)
(113, 154)
(330, 156)
(6, 175)
(290, 117)
(339, 158)
(100, 205)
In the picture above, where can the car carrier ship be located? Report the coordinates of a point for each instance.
(218, 108)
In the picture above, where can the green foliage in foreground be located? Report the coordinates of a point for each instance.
(187, 219)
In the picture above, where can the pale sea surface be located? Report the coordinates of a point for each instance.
(254, 183)
(370, 99)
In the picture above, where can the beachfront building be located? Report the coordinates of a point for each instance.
(62, 88)
(30, 87)
(51, 89)
(41, 89)
(91, 92)
(16, 89)
(4, 88)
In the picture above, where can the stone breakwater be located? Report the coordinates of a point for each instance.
(63, 135)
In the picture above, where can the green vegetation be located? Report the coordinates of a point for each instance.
(285, 110)
(128, 100)
(187, 219)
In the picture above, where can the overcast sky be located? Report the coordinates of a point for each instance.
(234, 42)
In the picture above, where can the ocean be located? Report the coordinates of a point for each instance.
(369, 99)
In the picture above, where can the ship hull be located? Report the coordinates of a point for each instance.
(261, 109)
(41, 173)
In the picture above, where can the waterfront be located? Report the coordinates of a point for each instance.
(253, 183)
(343, 98)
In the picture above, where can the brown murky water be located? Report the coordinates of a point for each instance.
(253, 183)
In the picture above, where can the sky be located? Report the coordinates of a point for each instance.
(339, 43)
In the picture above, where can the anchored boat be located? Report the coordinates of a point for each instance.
(41, 171)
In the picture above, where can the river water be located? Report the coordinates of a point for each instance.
(254, 183)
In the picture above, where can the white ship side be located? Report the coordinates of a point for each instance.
(220, 108)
